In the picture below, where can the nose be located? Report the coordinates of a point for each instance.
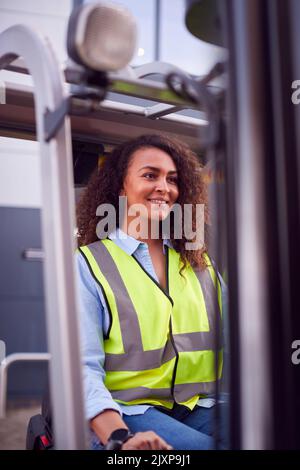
(162, 185)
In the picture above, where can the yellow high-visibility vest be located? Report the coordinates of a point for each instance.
(160, 345)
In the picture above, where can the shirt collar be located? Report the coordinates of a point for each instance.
(130, 244)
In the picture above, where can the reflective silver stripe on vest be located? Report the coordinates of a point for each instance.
(137, 361)
(210, 295)
(184, 392)
(129, 324)
(142, 392)
(200, 341)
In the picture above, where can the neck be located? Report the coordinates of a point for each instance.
(132, 232)
(152, 243)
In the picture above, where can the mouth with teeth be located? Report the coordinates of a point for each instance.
(159, 202)
(159, 207)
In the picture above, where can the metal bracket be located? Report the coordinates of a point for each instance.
(54, 119)
(189, 88)
(34, 254)
(4, 365)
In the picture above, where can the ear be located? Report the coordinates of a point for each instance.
(122, 192)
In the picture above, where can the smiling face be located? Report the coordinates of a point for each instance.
(151, 180)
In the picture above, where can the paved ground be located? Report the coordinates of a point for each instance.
(13, 427)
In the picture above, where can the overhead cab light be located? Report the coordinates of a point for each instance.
(101, 36)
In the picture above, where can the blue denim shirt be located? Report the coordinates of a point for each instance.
(94, 324)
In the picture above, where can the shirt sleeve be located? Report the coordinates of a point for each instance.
(97, 398)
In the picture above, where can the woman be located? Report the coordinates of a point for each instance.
(147, 301)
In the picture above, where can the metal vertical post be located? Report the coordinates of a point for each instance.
(57, 234)
(157, 29)
(249, 126)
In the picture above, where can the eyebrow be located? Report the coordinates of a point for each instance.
(156, 169)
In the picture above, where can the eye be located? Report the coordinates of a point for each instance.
(149, 175)
(173, 179)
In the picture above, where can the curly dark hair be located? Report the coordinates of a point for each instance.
(106, 183)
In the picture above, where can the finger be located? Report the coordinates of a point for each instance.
(140, 443)
(160, 443)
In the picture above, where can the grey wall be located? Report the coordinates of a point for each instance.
(22, 313)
